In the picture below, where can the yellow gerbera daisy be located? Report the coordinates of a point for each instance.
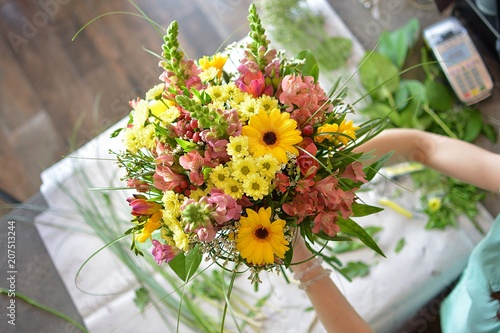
(274, 134)
(259, 240)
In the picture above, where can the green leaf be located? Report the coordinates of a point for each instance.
(395, 44)
(141, 298)
(359, 210)
(333, 52)
(185, 265)
(473, 126)
(379, 76)
(310, 67)
(399, 246)
(352, 228)
(371, 170)
(415, 93)
(355, 269)
(381, 110)
(187, 146)
(116, 132)
(489, 131)
(439, 96)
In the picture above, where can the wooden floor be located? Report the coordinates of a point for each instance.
(56, 94)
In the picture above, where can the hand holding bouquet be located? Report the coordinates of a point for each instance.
(230, 165)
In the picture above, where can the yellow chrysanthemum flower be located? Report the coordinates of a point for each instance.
(256, 186)
(268, 102)
(233, 188)
(147, 137)
(172, 203)
(132, 139)
(209, 74)
(243, 167)
(267, 165)
(346, 127)
(140, 113)
(274, 134)
(170, 115)
(219, 175)
(155, 92)
(180, 238)
(237, 146)
(152, 224)
(217, 93)
(259, 240)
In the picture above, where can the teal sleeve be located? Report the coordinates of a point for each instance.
(469, 307)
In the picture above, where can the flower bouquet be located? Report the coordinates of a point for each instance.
(230, 165)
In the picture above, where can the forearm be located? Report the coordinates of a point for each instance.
(332, 308)
(455, 158)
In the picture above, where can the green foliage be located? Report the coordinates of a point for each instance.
(186, 264)
(428, 104)
(141, 298)
(455, 198)
(400, 245)
(296, 27)
(355, 269)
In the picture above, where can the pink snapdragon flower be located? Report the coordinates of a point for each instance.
(206, 233)
(225, 207)
(163, 252)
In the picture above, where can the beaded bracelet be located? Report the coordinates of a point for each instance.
(298, 276)
(310, 282)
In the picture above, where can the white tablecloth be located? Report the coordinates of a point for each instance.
(396, 288)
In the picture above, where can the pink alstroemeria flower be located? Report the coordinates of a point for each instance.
(166, 180)
(193, 162)
(354, 171)
(326, 221)
(252, 81)
(308, 164)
